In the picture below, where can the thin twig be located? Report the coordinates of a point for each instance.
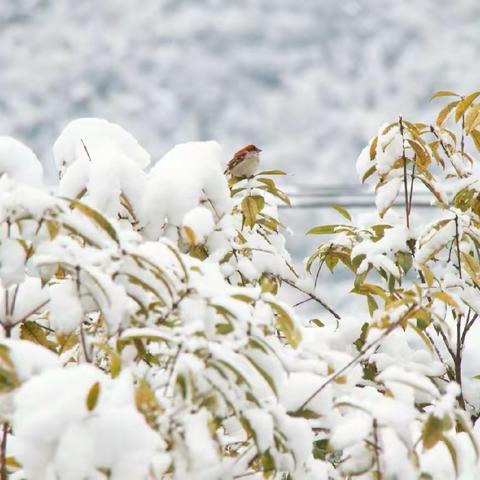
(411, 189)
(468, 326)
(313, 297)
(86, 150)
(376, 449)
(357, 359)
(458, 363)
(83, 342)
(457, 241)
(405, 180)
(3, 455)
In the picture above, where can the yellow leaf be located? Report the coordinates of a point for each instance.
(427, 274)
(373, 148)
(32, 332)
(464, 104)
(250, 211)
(286, 325)
(147, 403)
(423, 158)
(472, 120)
(445, 298)
(444, 93)
(472, 267)
(475, 134)
(445, 112)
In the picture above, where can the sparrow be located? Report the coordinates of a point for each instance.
(244, 162)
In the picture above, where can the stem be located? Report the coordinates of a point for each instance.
(405, 180)
(376, 449)
(313, 297)
(458, 363)
(3, 453)
(83, 342)
(457, 241)
(411, 189)
(86, 150)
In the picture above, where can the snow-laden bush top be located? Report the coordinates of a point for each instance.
(143, 334)
(145, 338)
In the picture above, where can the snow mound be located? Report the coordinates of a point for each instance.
(19, 162)
(189, 174)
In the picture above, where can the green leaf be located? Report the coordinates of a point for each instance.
(92, 397)
(432, 432)
(372, 304)
(342, 211)
(266, 376)
(268, 464)
(320, 449)
(452, 451)
(323, 230)
(223, 328)
(94, 215)
(271, 172)
(404, 260)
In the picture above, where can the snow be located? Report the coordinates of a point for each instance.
(19, 162)
(12, 261)
(187, 175)
(29, 359)
(202, 451)
(66, 311)
(52, 420)
(103, 161)
(433, 240)
(200, 221)
(86, 138)
(386, 194)
(353, 428)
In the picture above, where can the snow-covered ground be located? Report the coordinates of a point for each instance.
(308, 81)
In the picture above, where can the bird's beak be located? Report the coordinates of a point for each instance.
(259, 150)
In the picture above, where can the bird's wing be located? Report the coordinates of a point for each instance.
(237, 158)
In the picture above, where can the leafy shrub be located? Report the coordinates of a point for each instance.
(411, 415)
(146, 336)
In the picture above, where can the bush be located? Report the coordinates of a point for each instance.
(146, 338)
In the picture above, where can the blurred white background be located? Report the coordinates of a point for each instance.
(309, 81)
